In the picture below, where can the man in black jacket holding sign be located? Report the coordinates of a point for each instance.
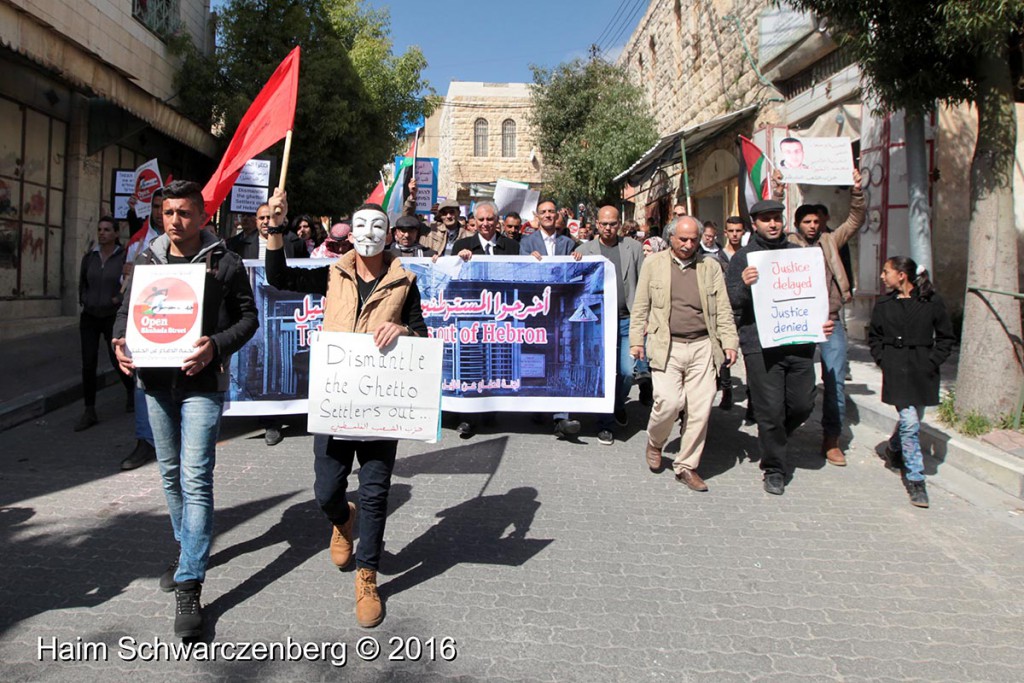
(185, 403)
(780, 379)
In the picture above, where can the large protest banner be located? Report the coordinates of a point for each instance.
(790, 296)
(519, 335)
(359, 391)
(815, 161)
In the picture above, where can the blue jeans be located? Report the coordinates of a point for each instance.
(143, 431)
(834, 362)
(185, 428)
(906, 437)
(624, 377)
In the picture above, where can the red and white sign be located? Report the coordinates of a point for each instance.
(147, 181)
(165, 314)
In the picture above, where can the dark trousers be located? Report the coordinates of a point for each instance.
(332, 464)
(781, 385)
(91, 328)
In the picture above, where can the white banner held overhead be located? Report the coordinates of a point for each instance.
(815, 161)
(358, 391)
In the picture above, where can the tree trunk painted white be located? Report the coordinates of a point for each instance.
(917, 191)
(990, 374)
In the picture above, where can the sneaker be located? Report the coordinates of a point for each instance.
(833, 454)
(188, 613)
(87, 420)
(167, 582)
(369, 611)
(621, 418)
(605, 437)
(567, 428)
(143, 453)
(775, 483)
(918, 494)
(273, 436)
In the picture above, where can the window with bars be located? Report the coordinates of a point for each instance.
(480, 138)
(508, 138)
(162, 17)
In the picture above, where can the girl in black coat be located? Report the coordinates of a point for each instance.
(910, 337)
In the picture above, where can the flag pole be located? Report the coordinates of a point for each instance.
(284, 163)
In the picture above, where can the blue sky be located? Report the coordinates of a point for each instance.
(496, 41)
(485, 40)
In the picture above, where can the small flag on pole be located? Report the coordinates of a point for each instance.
(755, 169)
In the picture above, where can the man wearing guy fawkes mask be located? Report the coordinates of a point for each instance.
(367, 290)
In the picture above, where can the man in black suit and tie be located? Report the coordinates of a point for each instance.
(487, 241)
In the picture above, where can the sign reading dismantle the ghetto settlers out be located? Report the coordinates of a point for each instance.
(790, 296)
(358, 391)
(165, 314)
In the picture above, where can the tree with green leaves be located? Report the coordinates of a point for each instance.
(355, 96)
(591, 123)
(914, 54)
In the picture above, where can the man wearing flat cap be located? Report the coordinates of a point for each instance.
(406, 235)
(781, 380)
(442, 236)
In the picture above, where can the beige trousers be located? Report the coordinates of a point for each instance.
(688, 384)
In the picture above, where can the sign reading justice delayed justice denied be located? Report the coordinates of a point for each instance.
(790, 296)
(165, 314)
(358, 391)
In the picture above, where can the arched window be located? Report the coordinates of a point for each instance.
(508, 138)
(480, 138)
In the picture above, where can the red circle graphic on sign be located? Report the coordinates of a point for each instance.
(147, 183)
(166, 310)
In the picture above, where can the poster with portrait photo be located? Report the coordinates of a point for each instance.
(815, 161)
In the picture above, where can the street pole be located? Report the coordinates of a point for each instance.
(917, 190)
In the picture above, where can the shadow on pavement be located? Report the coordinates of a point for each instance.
(470, 532)
(46, 568)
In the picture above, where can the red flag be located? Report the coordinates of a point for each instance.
(269, 119)
(377, 196)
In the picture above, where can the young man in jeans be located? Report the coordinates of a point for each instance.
(185, 403)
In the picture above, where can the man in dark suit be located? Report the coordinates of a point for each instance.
(546, 241)
(487, 241)
(251, 243)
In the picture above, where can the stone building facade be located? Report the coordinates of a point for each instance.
(86, 87)
(484, 135)
(713, 69)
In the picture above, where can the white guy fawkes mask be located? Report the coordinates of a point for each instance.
(369, 228)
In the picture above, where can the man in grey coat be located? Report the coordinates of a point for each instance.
(627, 256)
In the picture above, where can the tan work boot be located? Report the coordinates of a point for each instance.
(369, 611)
(833, 454)
(342, 538)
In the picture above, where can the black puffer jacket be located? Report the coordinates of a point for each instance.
(910, 339)
(229, 315)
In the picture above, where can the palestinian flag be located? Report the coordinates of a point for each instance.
(755, 171)
(395, 196)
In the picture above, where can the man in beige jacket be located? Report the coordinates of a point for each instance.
(682, 305)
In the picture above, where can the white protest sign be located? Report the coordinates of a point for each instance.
(147, 180)
(790, 296)
(510, 196)
(358, 391)
(248, 199)
(165, 314)
(815, 161)
(426, 184)
(121, 206)
(124, 182)
(255, 172)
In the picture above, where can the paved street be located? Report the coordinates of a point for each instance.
(541, 560)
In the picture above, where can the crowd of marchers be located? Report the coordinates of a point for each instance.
(685, 315)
